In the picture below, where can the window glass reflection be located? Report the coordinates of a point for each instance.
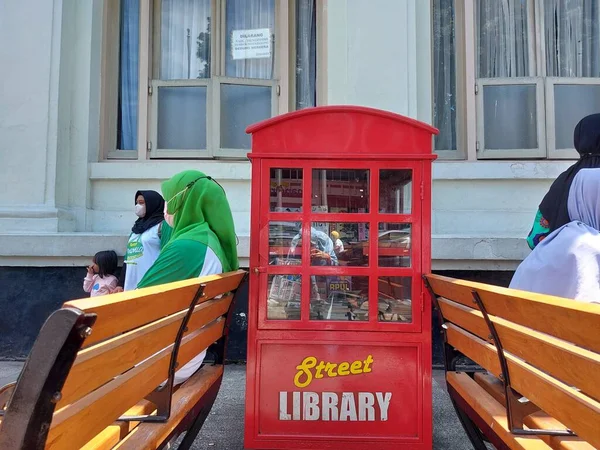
(395, 303)
(394, 244)
(395, 191)
(286, 190)
(340, 191)
(283, 297)
(342, 298)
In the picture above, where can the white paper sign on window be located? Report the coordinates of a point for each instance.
(251, 44)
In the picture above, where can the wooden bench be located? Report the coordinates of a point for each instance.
(92, 379)
(541, 355)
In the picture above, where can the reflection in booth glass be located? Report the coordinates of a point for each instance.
(394, 299)
(395, 191)
(283, 243)
(286, 190)
(340, 191)
(339, 297)
(350, 242)
(283, 297)
(394, 244)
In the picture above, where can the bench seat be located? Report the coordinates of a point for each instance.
(101, 372)
(541, 354)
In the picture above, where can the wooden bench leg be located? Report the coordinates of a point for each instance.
(205, 405)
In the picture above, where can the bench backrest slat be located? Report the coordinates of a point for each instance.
(551, 346)
(565, 403)
(76, 424)
(102, 362)
(127, 356)
(572, 321)
(574, 365)
(120, 313)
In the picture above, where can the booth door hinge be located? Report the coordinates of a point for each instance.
(422, 190)
(477, 146)
(278, 89)
(476, 89)
(150, 90)
(149, 145)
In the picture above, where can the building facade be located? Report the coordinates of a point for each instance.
(101, 98)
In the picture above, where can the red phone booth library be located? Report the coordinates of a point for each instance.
(339, 331)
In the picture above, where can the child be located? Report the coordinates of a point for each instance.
(100, 278)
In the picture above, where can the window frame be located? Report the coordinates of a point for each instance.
(163, 153)
(218, 149)
(551, 83)
(283, 82)
(468, 90)
(484, 153)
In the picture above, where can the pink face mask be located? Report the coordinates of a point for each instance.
(169, 218)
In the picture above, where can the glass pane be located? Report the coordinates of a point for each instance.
(283, 297)
(128, 75)
(286, 190)
(395, 191)
(185, 31)
(306, 53)
(344, 244)
(510, 108)
(340, 190)
(242, 106)
(182, 118)
(339, 298)
(394, 244)
(250, 38)
(285, 239)
(572, 32)
(503, 38)
(395, 299)
(444, 74)
(571, 104)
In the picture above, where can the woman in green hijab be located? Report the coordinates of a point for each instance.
(202, 240)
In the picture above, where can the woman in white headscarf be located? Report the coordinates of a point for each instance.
(567, 263)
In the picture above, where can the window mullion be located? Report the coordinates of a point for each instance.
(222, 30)
(144, 79)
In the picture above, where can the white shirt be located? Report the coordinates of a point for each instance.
(212, 266)
(339, 245)
(142, 251)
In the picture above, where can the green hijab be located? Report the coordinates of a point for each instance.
(202, 219)
(201, 213)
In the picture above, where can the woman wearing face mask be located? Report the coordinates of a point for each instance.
(203, 240)
(145, 240)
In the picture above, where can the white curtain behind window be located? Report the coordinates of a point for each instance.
(444, 74)
(306, 53)
(503, 32)
(572, 38)
(128, 75)
(249, 15)
(185, 32)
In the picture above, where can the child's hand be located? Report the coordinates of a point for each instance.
(117, 289)
(90, 270)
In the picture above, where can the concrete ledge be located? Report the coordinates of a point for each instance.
(162, 170)
(240, 170)
(76, 249)
(69, 249)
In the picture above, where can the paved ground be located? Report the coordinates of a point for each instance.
(224, 429)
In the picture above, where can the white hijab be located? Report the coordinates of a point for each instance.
(567, 263)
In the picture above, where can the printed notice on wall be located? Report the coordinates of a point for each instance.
(251, 44)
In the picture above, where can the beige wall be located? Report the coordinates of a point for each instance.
(59, 205)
